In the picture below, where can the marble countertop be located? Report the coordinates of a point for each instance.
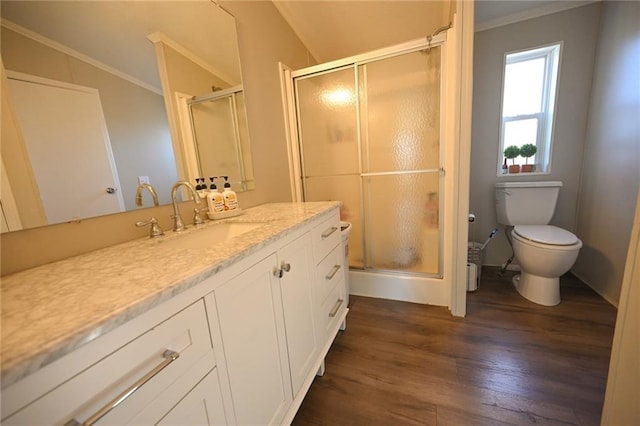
(50, 310)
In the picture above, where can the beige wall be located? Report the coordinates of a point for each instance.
(264, 39)
(611, 173)
(578, 29)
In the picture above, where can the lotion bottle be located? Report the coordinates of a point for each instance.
(215, 201)
(230, 197)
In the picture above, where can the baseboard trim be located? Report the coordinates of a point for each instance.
(604, 296)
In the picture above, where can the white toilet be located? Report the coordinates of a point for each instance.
(544, 251)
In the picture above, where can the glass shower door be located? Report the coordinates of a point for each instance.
(400, 127)
(328, 131)
(370, 137)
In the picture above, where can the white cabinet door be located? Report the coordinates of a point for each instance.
(296, 261)
(202, 406)
(252, 329)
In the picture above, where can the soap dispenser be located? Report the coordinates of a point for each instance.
(230, 197)
(201, 187)
(215, 201)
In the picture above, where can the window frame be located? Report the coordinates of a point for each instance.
(552, 54)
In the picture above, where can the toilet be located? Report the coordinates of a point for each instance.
(544, 251)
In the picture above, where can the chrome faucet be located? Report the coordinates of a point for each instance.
(178, 224)
(152, 191)
(155, 231)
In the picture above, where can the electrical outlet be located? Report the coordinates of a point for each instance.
(143, 179)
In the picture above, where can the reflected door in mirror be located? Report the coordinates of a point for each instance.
(61, 124)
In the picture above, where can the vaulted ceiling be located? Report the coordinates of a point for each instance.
(333, 29)
(337, 29)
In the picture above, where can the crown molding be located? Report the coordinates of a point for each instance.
(75, 54)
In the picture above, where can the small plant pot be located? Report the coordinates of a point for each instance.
(527, 168)
(514, 168)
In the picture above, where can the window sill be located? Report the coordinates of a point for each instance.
(521, 174)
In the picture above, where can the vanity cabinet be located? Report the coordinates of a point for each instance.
(241, 346)
(173, 356)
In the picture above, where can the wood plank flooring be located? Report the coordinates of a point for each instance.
(508, 362)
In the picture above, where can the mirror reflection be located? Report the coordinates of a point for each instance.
(96, 99)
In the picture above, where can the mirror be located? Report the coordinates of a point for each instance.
(107, 88)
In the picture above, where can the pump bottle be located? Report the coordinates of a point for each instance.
(215, 200)
(230, 197)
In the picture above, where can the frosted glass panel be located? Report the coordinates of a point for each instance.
(214, 132)
(395, 214)
(400, 112)
(346, 189)
(402, 222)
(327, 123)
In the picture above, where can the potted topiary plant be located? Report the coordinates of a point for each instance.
(511, 152)
(528, 150)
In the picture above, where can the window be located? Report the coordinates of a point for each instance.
(528, 99)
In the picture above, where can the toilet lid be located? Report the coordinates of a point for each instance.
(546, 234)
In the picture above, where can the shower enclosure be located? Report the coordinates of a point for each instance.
(369, 132)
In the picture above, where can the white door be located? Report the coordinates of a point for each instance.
(66, 138)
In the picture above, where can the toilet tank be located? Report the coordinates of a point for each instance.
(526, 203)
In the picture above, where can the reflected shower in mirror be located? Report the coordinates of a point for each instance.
(219, 136)
(124, 67)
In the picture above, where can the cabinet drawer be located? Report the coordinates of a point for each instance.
(329, 273)
(325, 237)
(186, 334)
(332, 310)
(201, 406)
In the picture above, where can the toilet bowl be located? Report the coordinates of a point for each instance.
(544, 252)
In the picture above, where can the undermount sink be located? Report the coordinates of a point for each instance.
(210, 236)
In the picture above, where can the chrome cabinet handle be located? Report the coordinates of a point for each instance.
(333, 272)
(328, 232)
(336, 307)
(279, 272)
(168, 355)
(111, 190)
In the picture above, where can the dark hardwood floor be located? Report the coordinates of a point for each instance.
(509, 361)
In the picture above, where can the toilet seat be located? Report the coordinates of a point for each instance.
(546, 236)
